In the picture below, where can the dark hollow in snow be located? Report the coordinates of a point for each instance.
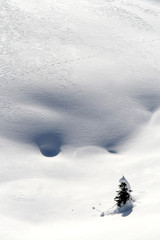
(150, 101)
(49, 144)
(112, 151)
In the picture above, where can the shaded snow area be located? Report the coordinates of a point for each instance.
(79, 108)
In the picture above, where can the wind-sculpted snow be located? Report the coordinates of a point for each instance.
(80, 84)
(84, 76)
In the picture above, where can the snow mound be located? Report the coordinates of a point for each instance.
(125, 210)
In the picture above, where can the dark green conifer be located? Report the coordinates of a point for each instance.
(123, 195)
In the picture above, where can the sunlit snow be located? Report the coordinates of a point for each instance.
(79, 108)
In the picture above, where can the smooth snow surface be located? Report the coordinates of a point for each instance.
(79, 107)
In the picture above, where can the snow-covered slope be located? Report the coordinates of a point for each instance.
(79, 107)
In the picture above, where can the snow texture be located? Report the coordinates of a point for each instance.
(124, 210)
(79, 107)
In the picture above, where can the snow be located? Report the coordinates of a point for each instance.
(124, 180)
(79, 108)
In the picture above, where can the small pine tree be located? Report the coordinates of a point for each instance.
(123, 195)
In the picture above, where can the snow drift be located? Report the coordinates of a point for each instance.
(79, 83)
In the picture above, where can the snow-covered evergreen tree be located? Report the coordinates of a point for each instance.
(124, 193)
